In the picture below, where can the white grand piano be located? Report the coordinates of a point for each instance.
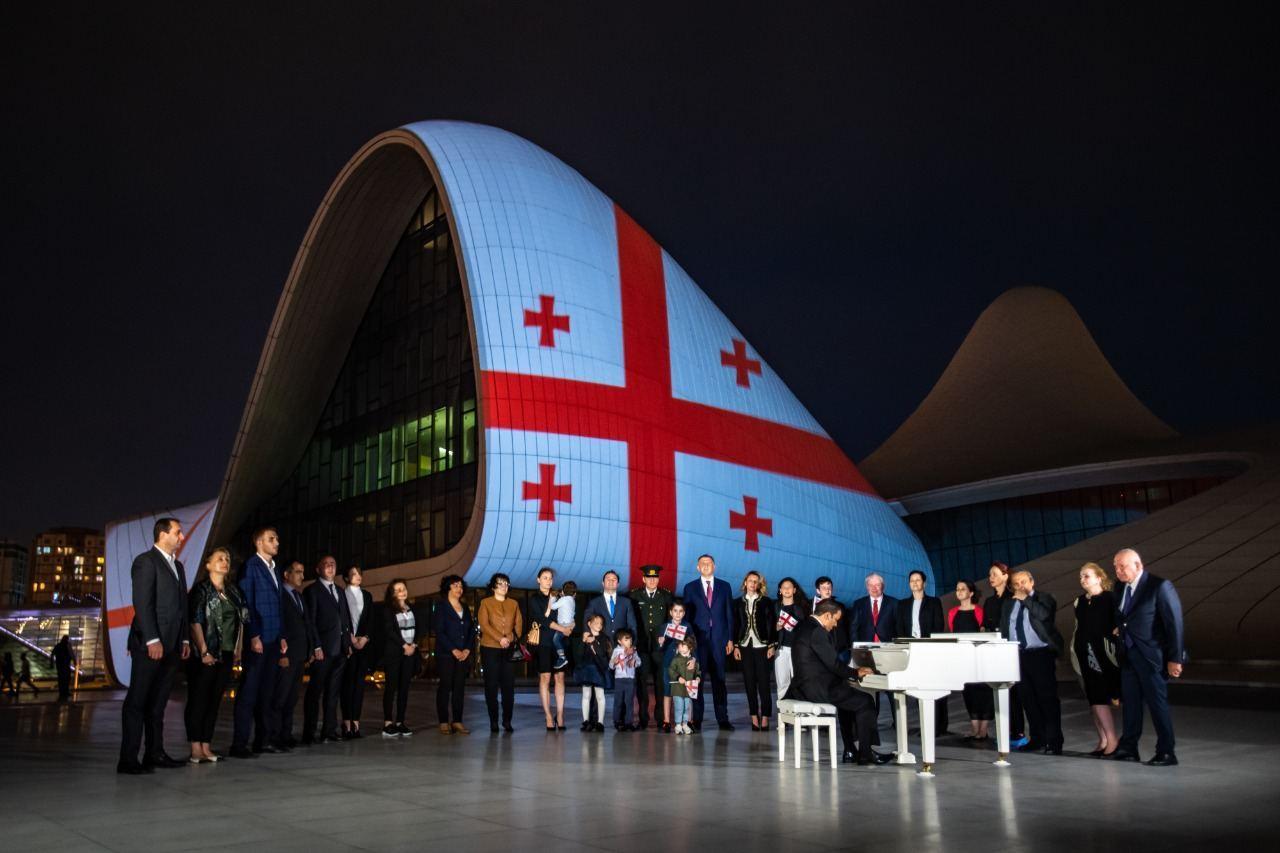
(930, 669)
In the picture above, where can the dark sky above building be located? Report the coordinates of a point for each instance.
(851, 183)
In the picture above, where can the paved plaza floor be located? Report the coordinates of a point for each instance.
(718, 792)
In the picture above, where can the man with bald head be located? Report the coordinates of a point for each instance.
(1151, 652)
(1028, 618)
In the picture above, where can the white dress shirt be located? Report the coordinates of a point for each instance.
(355, 604)
(915, 615)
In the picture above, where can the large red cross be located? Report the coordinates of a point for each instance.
(547, 320)
(750, 521)
(655, 424)
(738, 361)
(547, 493)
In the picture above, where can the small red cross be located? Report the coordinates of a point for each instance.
(737, 360)
(550, 322)
(753, 524)
(546, 492)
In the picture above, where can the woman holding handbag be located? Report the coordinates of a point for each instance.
(540, 619)
(500, 625)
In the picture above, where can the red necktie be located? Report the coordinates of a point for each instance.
(875, 619)
(708, 592)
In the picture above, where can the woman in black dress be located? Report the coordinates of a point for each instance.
(1001, 592)
(967, 617)
(1093, 653)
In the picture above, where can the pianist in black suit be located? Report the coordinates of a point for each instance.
(920, 615)
(332, 622)
(1151, 652)
(820, 677)
(1028, 619)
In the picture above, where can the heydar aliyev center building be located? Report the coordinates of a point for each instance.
(480, 363)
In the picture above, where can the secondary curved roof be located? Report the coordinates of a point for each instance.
(1028, 390)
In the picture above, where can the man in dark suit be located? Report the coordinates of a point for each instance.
(651, 605)
(613, 606)
(874, 614)
(261, 588)
(708, 604)
(920, 615)
(820, 677)
(158, 640)
(299, 636)
(1151, 652)
(331, 643)
(872, 620)
(1028, 618)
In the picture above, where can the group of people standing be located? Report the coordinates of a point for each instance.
(658, 653)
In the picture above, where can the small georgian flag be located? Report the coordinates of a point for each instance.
(677, 632)
(786, 622)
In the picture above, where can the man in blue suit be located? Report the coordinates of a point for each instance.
(708, 604)
(1151, 652)
(614, 607)
(261, 587)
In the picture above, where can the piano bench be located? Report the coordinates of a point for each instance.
(814, 715)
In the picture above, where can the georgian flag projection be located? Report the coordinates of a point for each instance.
(626, 421)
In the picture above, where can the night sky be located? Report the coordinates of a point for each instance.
(851, 185)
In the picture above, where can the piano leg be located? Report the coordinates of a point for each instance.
(1002, 724)
(900, 727)
(927, 712)
(782, 738)
(817, 750)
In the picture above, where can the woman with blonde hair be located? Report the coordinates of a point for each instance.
(755, 641)
(1093, 653)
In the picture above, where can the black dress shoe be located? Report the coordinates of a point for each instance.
(883, 757)
(282, 748)
(1053, 750)
(133, 768)
(1032, 746)
(696, 727)
(162, 761)
(848, 757)
(290, 742)
(241, 752)
(271, 749)
(333, 738)
(1098, 753)
(1124, 755)
(1163, 759)
(506, 727)
(493, 728)
(306, 741)
(598, 728)
(726, 727)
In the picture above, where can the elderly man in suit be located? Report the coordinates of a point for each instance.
(261, 588)
(820, 677)
(708, 605)
(1028, 618)
(873, 618)
(158, 640)
(298, 634)
(1151, 652)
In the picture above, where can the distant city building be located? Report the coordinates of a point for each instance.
(13, 573)
(67, 565)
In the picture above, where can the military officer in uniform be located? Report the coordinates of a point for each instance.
(651, 606)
